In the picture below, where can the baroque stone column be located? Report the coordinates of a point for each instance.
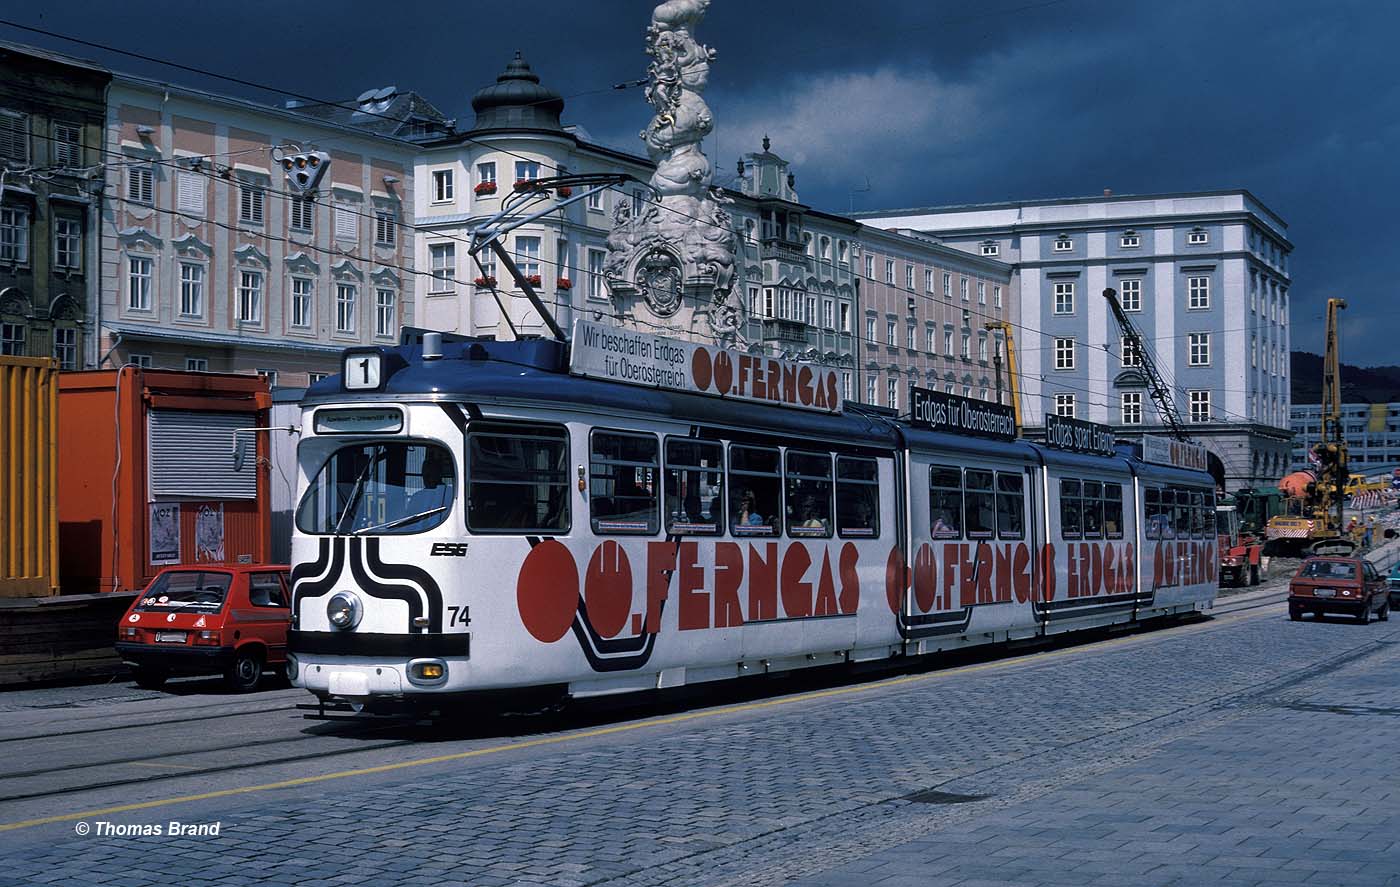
(671, 262)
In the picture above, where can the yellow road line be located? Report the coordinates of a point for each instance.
(1021, 661)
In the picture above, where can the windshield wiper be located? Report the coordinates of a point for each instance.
(400, 521)
(355, 491)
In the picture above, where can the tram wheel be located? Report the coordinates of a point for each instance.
(245, 672)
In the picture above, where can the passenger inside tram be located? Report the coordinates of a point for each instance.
(748, 514)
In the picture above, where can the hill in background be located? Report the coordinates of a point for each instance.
(1359, 384)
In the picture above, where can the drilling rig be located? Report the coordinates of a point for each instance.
(1314, 516)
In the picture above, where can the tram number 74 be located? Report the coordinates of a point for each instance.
(459, 616)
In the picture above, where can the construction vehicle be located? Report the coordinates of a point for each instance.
(1241, 554)
(1256, 505)
(1313, 511)
(1005, 328)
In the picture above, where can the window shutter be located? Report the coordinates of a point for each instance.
(190, 193)
(181, 442)
(14, 136)
(346, 224)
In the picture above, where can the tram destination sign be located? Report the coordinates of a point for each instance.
(1178, 453)
(1078, 436)
(950, 413)
(601, 351)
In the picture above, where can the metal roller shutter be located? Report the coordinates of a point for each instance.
(191, 455)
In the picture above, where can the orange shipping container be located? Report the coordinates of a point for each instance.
(149, 476)
(28, 477)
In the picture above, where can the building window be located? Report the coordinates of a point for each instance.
(889, 271)
(828, 314)
(1197, 237)
(1132, 295)
(313, 378)
(139, 186)
(1129, 354)
(1063, 244)
(910, 339)
(962, 288)
(527, 255)
(250, 204)
(347, 223)
(12, 339)
(1064, 354)
(948, 343)
(442, 186)
(870, 390)
(250, 296)
(1064, 405)
(344, 308)
(1130, 240)
(385, 313)
(996, 297)
(991, 248)
(870, 329)
(892, 394)
(1064, 298)
(138, 283)
(870, 267)
(596, 284)
(486, 175)
(526, 170)
(303, 211)
(189, 193)
(14, 235)
(443, 258)
(1198, 292)
(1199, 349)
(928, 280)
(1132, 408)
(65, 347)
(301, 301)
(14, 136)
(981, 292)
(982, 348)
(268, 374)
(847, 386)
(1200, 405)
(928, 340)
(595, 203)
(142, 361)
(384, 225)
(909, 277)
(843, 310)
(947, 285)
(191, 289)
(1253, 351)
(967, 345)
(889, 333)
(196, 364)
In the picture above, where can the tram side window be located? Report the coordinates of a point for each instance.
(1168, 516)
(1071, 514)
(808, 494)
(1093, 509)
(1152, 508)
(1198, 515)
(755, 491)
(1011, 506)
(1182, 520)
(857, 497)
(945, 502)
(1210, 515)
(1113, 511)
(694, 487)
(517, 478)
(622, 478)
(980, 505)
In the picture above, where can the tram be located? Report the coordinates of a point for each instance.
(631, 512)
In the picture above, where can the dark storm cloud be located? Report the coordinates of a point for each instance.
(931, 102)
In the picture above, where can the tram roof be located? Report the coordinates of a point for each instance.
(536, 371)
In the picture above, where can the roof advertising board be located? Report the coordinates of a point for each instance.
(1178, 453)
(1078, 436)
(952, 414)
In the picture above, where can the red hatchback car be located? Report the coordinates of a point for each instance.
(1348, 585)
(225, 618)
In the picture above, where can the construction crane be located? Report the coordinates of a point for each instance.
(1005, 328)
(1161, 396)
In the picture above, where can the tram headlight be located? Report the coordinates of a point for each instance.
(343, 610)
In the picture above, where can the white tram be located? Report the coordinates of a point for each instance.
(479, 518)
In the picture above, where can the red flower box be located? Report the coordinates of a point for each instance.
(534, 279)
(564, 283)
(565, 191)
(485, 281)
(524, 184)
(484, 188)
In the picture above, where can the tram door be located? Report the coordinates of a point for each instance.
(1037, 516)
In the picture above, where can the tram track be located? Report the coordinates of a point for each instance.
(156, 723)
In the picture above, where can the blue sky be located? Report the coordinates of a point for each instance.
(931, 102)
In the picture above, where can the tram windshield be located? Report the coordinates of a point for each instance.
(389, 488)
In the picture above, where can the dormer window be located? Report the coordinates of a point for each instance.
(991, 248)
(1130, 240)
(1197, 237)
(1063, 244)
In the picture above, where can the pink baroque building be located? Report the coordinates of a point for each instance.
(211, 263)
(924, 310)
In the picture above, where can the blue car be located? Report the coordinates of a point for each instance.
(1392, 583)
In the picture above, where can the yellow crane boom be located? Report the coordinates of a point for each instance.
(1005, 328)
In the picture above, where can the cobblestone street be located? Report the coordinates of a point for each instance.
(1243, 750)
